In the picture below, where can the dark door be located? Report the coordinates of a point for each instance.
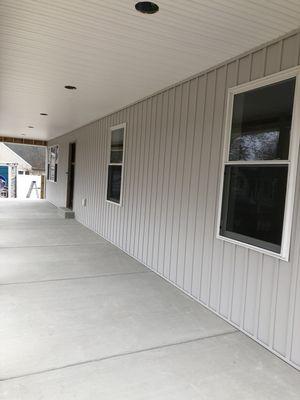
(71, 175)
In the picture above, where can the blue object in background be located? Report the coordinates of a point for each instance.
(3, 177)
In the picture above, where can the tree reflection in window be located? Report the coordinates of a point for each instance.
(260, 146)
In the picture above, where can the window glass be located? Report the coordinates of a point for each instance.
(116, 150)
(253, 204)
(261, 122)
(114, 183)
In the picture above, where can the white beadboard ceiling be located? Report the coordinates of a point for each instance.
(115, 55)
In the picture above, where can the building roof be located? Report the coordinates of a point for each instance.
(34, 155)
(8, 156)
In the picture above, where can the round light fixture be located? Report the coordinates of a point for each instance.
(43, 114)
(23, 134)
(146, 7)
(70, 87)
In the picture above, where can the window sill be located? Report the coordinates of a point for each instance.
(112, 202)
(281, 256)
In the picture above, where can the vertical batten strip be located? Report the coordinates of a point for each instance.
(188, 173)
(164, 171)
(161, 207)
(146, 145)
(171, 112)
(195, 276)
(182, 166)
(155, 180)
(217, 244)
(178, 102)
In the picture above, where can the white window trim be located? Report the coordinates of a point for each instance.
(291, 162)
(113, 128)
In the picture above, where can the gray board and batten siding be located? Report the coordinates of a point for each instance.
(174, 147)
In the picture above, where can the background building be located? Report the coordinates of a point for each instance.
(24, 168)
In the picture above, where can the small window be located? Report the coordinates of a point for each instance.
(115, 165)
(20, 172)
(259, 161)
(52, 163)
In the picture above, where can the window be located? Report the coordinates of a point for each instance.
(52, 163)
(116, 164)
(259, 169)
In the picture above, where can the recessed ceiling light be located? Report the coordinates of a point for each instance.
(146, 7)
(43, 114)
(30, 127)
(70, 87)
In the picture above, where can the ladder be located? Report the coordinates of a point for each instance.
(32, 187)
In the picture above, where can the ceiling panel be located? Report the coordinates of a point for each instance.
(115, 55)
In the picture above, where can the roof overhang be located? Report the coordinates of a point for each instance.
(115, 55)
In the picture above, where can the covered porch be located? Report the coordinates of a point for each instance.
(81, 319)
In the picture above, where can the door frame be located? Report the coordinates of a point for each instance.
(71, 176)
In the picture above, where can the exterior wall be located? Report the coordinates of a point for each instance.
(174, 144)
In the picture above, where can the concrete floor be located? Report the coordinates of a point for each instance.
(82, 320)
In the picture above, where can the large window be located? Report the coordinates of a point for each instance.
(259, 169)
(116, 164)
